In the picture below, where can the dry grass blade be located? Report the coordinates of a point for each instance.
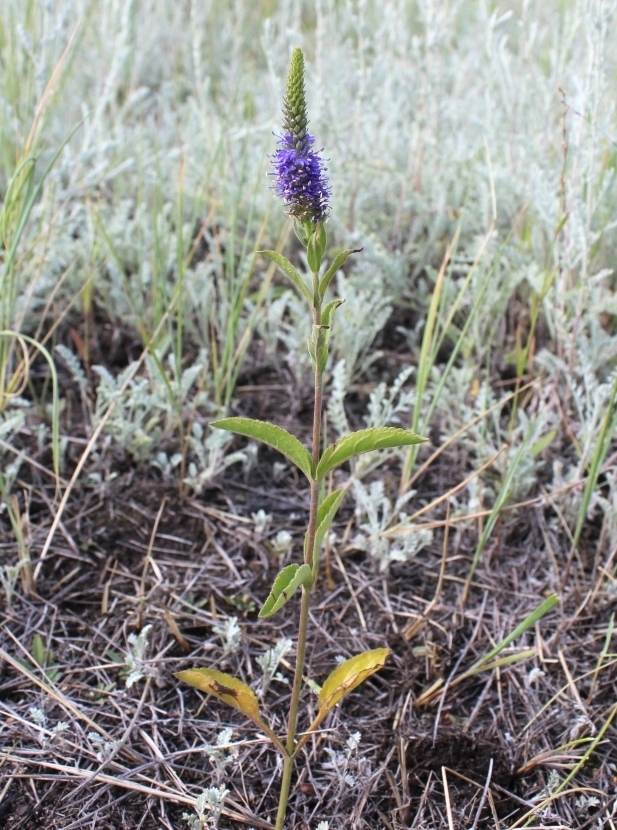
(49, 689)
(72, 773)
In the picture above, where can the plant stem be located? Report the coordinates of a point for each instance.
(288, 761)
(288, 764)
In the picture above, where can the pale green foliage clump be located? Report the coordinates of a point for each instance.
(142, 407)
(375, 513)
(11, 422)
(74, 366)
(347, 765)
(104, 748)
(261, 520)
(230, 633)
(483, 440)
(362, 316)
(208, 457)
(269, 663)
(438, 109)
(136, 663)
(46, 735)
(209, 806)
(9, 575)
(223, 752)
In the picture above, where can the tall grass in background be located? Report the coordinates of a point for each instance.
(471, 135)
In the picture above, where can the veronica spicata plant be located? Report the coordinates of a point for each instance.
(300, 180)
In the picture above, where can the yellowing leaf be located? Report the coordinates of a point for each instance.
(350, 674)
(344, 679)
(227, 688)
(233, 692)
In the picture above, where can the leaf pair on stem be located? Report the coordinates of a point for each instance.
(344, 679)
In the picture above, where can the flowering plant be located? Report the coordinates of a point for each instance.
(299, 170)
(300, 180)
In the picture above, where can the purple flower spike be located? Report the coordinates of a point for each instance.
(300, 179)
(300, 173)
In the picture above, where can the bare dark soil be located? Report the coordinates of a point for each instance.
(133, 551)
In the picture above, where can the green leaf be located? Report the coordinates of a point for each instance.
(326, 314)
(325, 516)
(319, 342)
(542, 443)
(115, 656)
(529, 622)
(301, 233)
(318, 346)
(274, 436)
(285, 586)
(287, 268)
(506, 660)
(337, 262)
(38, 651)
(350, 674)
(364, 440)
(316, 247)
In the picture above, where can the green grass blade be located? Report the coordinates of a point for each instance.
(529, 621)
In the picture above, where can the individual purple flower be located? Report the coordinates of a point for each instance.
(300, 172)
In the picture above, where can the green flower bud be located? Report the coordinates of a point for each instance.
(295, 116)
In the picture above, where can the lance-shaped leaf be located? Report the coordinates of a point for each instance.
(326, 512)
(224, 686)
(325, 516)
(326, 314)
(344, 679)
(285, 586)
(318, 347)
(231, 691)
(287, 268)
(319, 342)
(316, 247)
(350, 674)
(337, 262)
(364, 440)
(274, 436)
